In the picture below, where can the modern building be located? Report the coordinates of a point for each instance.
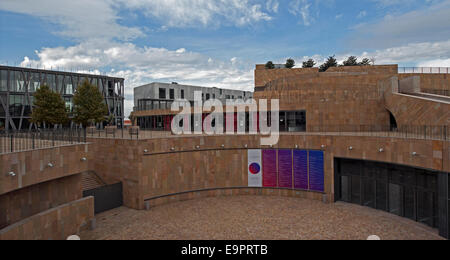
(160, 96)
(156, 96)
(17, 86)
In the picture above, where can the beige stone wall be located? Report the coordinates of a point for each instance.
(31, 167)
(413, 111)
(54, 224)
(432, 83)
(118, 160)
(162, 171)
(20, 204)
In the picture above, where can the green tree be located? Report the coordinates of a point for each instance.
(309, 63)
(89, 107)
(270, 65)
(351, 61)
(331, 62)
(365, 62)
(49, 108)
(290, 63)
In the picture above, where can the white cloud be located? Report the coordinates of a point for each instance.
(141, 66)
(80, 19)
(191, 13)
(302, 8)
(362, 14)
(424, 25)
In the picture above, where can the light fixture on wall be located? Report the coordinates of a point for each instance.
(223, 146)
(351, 148)
(323, 146)
(145, 151)
(197, 147)
(246, 145)
(172, 149)
(83, 159)
(381, 150)
(50, 165)
(414, 154)
(11, 174)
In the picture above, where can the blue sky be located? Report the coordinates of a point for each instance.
(217, 42)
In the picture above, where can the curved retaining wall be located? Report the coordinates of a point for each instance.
(151, 169)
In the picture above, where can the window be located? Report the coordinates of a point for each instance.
(15, 105)
(4, 80)
(182, 94)
(162, 93)
(172, 94)
(208, 96)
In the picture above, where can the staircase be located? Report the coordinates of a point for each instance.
(90, 181)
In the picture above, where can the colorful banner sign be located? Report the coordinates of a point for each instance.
(255, 168)
(269, 158)
(300, 165)
(285, 169)
(316, 171)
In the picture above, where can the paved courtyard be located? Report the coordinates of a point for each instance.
(255, 218)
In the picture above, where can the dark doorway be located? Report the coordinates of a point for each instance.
(401, 190)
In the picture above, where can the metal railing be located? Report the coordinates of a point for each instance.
(412, 132)
(19, 141)
(424, 70)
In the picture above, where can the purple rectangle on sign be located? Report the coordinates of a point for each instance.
(285, 169)
(316, 171)
(300, 163)
(269, 158)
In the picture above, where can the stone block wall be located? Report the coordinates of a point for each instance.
(20, 204)
(54, 224)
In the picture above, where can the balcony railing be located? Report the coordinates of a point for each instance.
(11, 142)
(424, 70)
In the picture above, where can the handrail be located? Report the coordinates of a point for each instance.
(424, 70)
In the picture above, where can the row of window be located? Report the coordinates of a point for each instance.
(63, 84)
(162, 94)
(290, 121)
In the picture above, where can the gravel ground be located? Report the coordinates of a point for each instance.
(255, 218)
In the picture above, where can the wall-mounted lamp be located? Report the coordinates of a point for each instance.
(223, 146)
(246, 145)
(83, 159)
(50, 165)
(296, 146)
(350, 148)
(197, 147)
(414, 154)
(145, 151)
(323, 146)
(11, 174)
(381, 150)
(172, 149)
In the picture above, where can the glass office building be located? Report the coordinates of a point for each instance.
(17, 86)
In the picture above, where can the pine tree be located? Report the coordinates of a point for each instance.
(351, 61)
(290, 63)
(365, 62)
(89, 107)
(270, 65)
(331, 62)
(309, 63)
(49, 108)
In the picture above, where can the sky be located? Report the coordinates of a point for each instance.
(216, 43)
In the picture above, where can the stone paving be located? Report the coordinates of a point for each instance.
(255, 218)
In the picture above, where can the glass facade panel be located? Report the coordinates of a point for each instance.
(35, 82)
(3, 80)
(51, 81)
(395, 199)
(15, 105)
